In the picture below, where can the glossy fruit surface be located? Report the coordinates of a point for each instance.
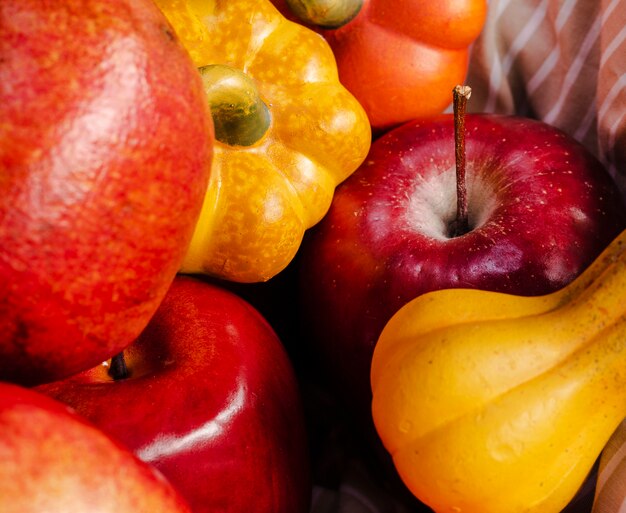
(52, 460)
(211, 401)
(105, 148)
(541, 208)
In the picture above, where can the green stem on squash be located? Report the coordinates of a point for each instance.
(460, 95)
(328, 14)
(118, 369)
(240, 116)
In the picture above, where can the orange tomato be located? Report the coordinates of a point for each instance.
(401, 59)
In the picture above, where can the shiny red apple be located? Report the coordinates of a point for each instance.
(53, 461)
(540, 209)
(105, 148)
(211, 400)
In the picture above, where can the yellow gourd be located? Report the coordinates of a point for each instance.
(287, 133)
(495, 403)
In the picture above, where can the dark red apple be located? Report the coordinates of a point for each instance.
(211, 400)
(53, 461)
(105, 148)
(540, 209)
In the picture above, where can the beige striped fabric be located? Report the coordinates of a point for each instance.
(611, 483)
(562, 61)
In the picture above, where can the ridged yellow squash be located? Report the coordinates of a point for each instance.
(496, 403)
(271, 178)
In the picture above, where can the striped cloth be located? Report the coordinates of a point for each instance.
(561, 61)
(610, 492)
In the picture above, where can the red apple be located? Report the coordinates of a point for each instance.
(53, 461)
(211, 400)
(105, 148)
(540, 209)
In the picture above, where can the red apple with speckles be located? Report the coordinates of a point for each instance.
(540, 209)
(53, 461)
(211, 400)
(105, 149)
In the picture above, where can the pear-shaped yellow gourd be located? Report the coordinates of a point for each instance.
(495, 403)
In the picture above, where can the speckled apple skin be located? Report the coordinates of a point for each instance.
(52, 460)
(541, 207)
(212, 402)
(105, 148)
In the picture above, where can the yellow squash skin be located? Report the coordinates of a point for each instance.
(494, 403)
(263, 197)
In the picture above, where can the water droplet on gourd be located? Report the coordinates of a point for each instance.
(405, 426)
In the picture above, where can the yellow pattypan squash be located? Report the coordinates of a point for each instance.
(288, 133)
(495, 403)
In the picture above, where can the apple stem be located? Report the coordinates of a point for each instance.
(460, 95)
(118, 369)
